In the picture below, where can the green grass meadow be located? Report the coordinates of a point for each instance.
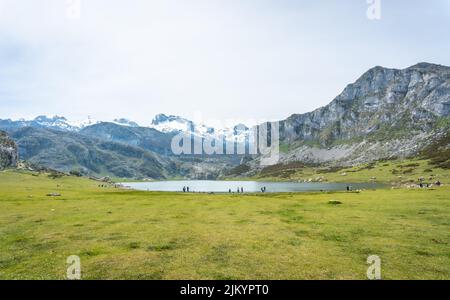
(393, 172)
(122, 234)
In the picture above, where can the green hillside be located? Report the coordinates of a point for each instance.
(395, 172)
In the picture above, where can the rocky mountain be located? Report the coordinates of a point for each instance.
(71, 151)
(125, 122)
(176, 124)
(152, 140)
(386, 113)
(164, 123)
(8, 151)
(143, 137)
(55, 122)
(384, 101)
(109, 149)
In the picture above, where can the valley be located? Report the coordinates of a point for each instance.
(172, 142)
(385, 115)
(389, 130)
(122, 234)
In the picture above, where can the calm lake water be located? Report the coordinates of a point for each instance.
(207, 186)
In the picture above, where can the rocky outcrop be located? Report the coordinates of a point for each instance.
(8, 152)
(383, 101)
(386, 113)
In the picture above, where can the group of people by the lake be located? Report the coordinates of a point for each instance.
(116, 186)
(239, 190)
(427, 185)
(423, 184)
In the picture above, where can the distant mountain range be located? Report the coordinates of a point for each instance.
(120, 148)
(161, 123)
(56, 122)
(385, 114)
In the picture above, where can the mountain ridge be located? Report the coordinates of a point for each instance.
(385, 113)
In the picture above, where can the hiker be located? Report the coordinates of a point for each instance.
(184, 189)
(229, 191)
(348, 188)
(242, 190)
(187, 189)
(262, 190)
(238, 190)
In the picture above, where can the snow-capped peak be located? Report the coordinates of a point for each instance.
(56, 122)
(165, 123)
(80, 124)
(125, 122)
(45, 119)
(171, 123)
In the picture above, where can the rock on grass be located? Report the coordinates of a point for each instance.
(334, 202)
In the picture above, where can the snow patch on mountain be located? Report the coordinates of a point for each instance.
(167, 124)
(80, 124)
(58, 122)
(125, 122)
(161, 122)
(55, 122)
(171, 123)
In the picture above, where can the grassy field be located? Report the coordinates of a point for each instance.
(122, 234)
(392, 172)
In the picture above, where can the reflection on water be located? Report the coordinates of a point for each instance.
(207, 186)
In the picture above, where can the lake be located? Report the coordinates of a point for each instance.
(213, 186)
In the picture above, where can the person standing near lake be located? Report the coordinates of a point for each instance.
(242, 190)
(184, 189)
(187, 189)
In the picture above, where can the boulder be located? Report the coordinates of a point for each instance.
(334, 202)
(8, 152)
(54, 195)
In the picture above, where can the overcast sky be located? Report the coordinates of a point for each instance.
(225, 59)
